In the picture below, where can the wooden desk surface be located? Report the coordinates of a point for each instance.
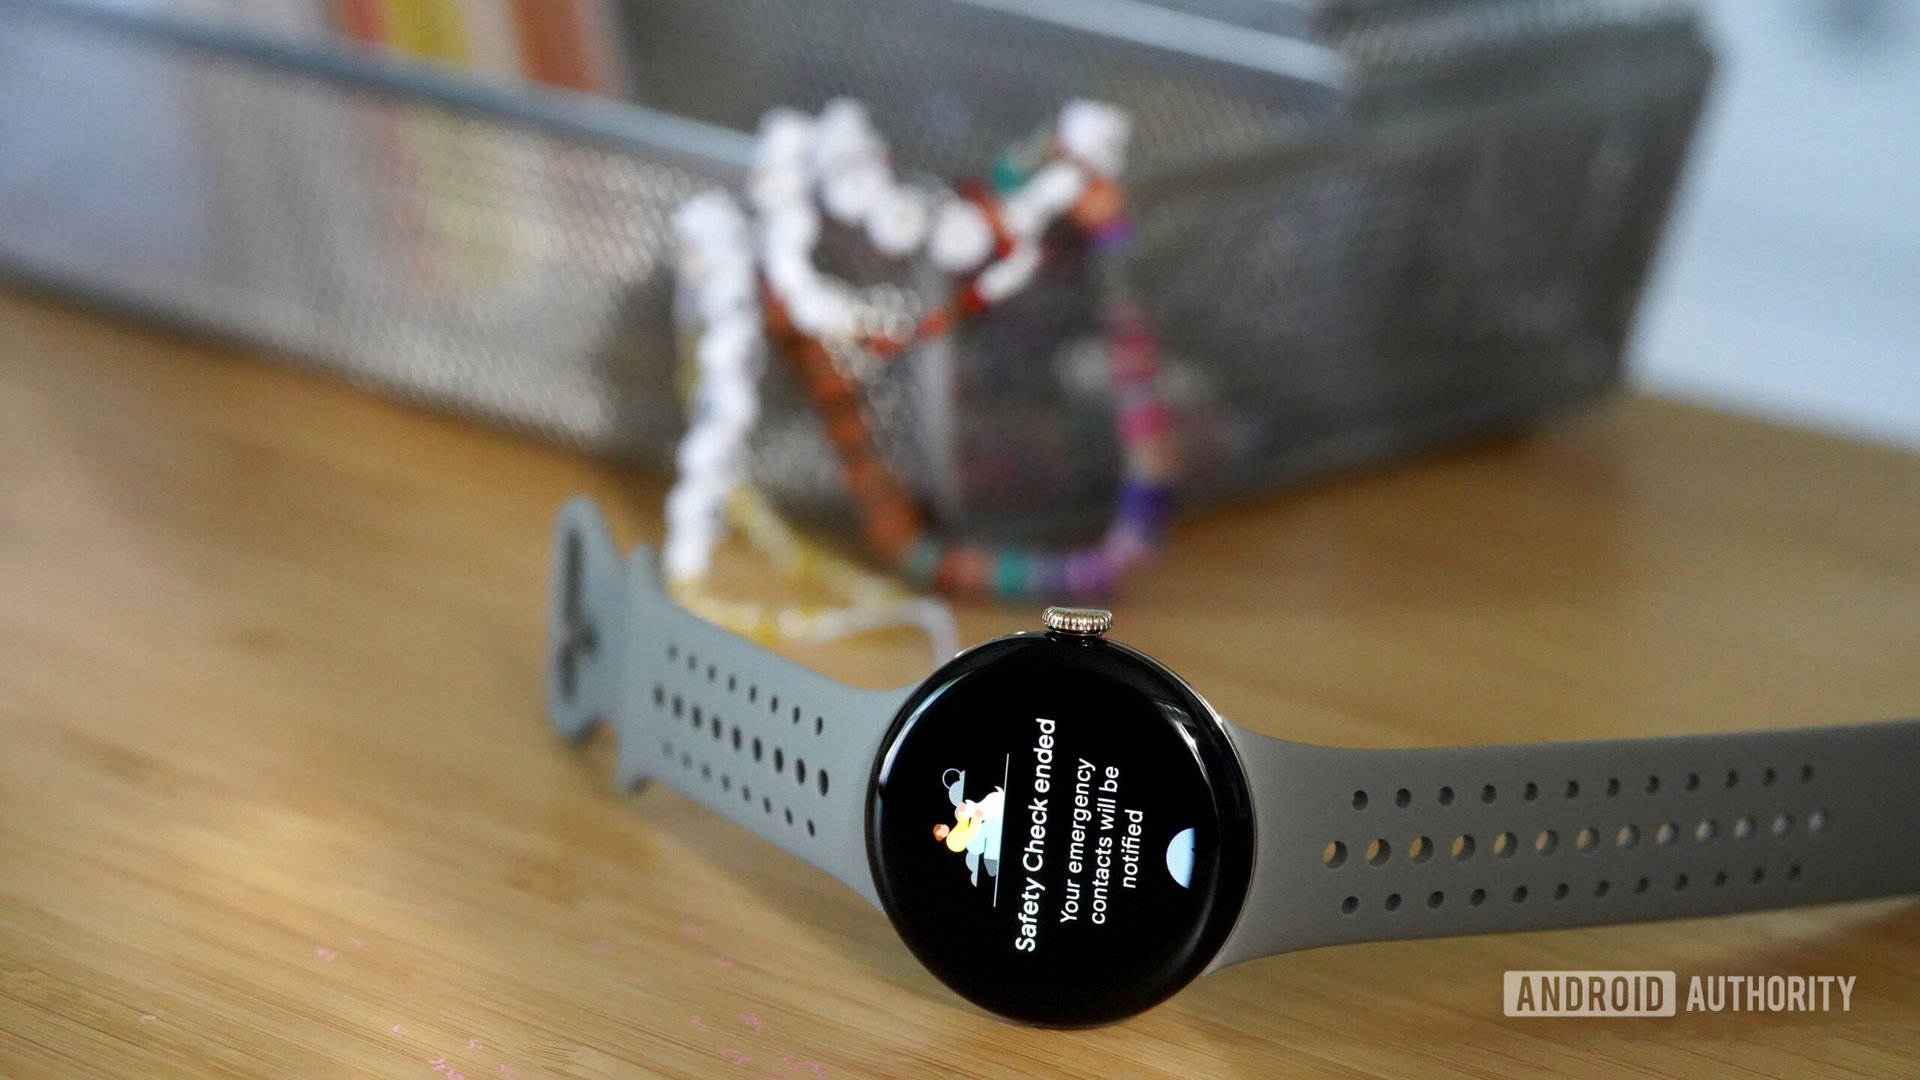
(277, 798)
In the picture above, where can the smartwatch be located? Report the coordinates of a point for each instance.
(1066, 833)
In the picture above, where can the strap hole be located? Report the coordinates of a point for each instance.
(1743, 829)
(1733, 778)
(779, 760)
(1519, 894)
(746, 793)
(1586, 839)
(659, 695)
(733, 683)
(1446, 796)
(673, 652)
(679, 707)
(1462, 847)
(1613, 785)
(753, 692)
(810, 831)
(1680, 883)
(789, 815)
(1546, 843)
(1601, 888)
(1350, 905)
(819, 724)
(1806, 774)
(666, 749)
(726, 782)
(1759, 874)
(796, 714)
(1793, 872)
(719, 730)
(686, 760)
(1378, 852)
(1719, 878)
(1359, 800)
(773, 704)
(1530, 792)
(736, 738)
(699, 717)
(1653, 785)
(800, 770)
(1435, 899)
(1334, 855)
(1666, 834)
(713, 673)
(1505, 845)
(1561, 890)
(1706, 830)
(1768, 776)
(1627, 837)
(767, 805)
(1573, 789)
(1642, 885)
(1393, 901)
(706, 771)
(693, 662)
(1693, 781)
(756, 748)
(1420, 850)
(823, 781)
(1488, 794)
(1477, 897)
(1403, 798)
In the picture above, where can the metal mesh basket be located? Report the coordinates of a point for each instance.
(1364, 225)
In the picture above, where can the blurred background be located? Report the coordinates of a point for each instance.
(1792, 270)
(1365, 227)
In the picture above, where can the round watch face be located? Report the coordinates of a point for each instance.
(1060, 829)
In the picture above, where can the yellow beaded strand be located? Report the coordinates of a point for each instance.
(874, 600)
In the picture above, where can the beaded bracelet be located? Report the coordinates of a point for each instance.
(718, 292)
(891, 519)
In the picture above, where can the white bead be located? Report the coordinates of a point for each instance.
(1095, 133)
(1046, 195)
(961, 238)
(850, 192)
(843, 129)
(1056, 187)
(789, 272)
(897, 224)
(786, 135)
(775, 187)
(1009, 275)
(791, 229)
(727, 289)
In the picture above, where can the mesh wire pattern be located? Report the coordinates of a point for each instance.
(1380, 226)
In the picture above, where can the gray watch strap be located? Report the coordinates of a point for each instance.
(1357, 845)
(782, 750)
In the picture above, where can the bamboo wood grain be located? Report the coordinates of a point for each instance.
(277, 798)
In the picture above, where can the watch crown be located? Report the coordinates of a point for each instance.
(1090, 622)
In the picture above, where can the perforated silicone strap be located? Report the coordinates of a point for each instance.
(1358, 845)
(780, 749)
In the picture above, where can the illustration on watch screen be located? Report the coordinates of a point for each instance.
(976, 826)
